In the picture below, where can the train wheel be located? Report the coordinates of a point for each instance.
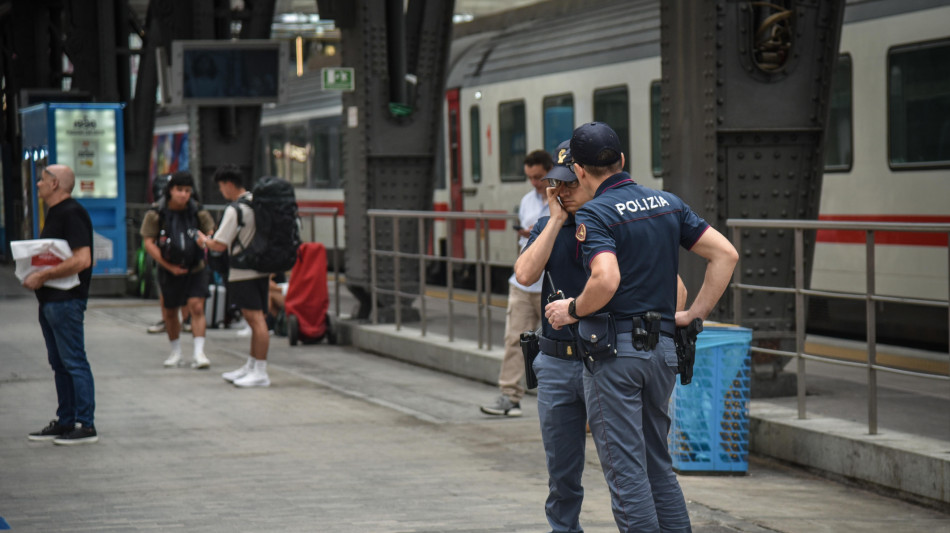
(293, 329)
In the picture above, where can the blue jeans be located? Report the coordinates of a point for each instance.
(628, 400)
(62, 325)
(563, 429)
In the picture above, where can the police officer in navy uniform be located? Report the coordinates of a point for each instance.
(630, 237)
(552, 248)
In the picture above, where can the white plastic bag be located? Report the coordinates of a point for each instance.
(40, 254)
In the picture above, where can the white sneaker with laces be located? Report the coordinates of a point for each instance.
(173, 360)
(201, 361)
(254, 378)
(239, 373)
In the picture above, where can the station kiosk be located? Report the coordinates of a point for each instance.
(89, 139)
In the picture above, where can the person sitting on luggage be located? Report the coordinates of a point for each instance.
(168, 232)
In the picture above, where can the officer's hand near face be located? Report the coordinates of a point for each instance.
(558, 214)
(556, 313)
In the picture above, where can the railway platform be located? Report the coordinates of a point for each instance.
(343, 441)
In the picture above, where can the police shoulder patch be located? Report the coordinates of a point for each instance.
(581, 233)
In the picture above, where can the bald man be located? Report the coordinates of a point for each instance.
(62, 311)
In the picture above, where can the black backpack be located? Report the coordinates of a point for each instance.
(176, 238)
(277, 228)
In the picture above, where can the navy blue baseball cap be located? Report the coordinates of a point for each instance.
(595, 143)
(561, 170)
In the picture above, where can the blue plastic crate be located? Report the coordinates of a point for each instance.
(710, 426)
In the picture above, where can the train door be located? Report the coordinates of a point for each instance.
(454, 128)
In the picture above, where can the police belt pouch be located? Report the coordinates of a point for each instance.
(530, 348)
(597, 337)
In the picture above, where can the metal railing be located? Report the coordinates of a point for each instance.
(136, 212)
(870, 297)
(425, 222)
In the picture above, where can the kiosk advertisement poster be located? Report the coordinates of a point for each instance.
(86, 141)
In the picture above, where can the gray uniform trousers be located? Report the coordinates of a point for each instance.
(563, 420)
(628, 401)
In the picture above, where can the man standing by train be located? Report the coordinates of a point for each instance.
(524, 301)
(630, 237)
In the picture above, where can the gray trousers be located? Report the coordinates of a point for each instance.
(627, 403)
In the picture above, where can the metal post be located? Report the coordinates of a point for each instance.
(800, 318)
(450, 275)
(422, 272)
(737, 277)
(478, 280)
(336, 262)
(871, 336)
(487, 285)
(374, 311)
(397, 288)
(313, 227)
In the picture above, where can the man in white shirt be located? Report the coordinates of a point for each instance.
(248, 289)
(524, 302)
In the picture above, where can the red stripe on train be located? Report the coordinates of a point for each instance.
(903, 238)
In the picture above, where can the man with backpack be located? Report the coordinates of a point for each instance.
(261, 234)
(168, 232)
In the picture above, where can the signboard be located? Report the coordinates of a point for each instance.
(86, 141)
(338, 79)
(226, 73)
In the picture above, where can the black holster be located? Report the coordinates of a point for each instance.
(530, 347)
(646, 331)
(685, 341)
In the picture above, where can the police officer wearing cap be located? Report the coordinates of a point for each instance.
(552, 248)
(630, 237)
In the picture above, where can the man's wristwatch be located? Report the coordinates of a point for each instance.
(572, 310)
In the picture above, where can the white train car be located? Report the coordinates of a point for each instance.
(521, 86)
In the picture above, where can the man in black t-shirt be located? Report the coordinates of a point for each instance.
(62, 311)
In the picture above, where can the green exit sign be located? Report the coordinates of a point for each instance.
(338, 79)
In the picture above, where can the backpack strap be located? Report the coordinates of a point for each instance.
(240, 221)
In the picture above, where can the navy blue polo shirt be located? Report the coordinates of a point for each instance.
(566, 266)
(644, 228)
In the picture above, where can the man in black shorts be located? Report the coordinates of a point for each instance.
(168, 234)
(247, 289)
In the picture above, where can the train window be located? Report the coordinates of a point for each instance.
(512, 140)
(297, 155)
(656, 126)
(275, 159)
(558, 120)
(838, 141)
(612, 106)
(474, 121)
(918, 105)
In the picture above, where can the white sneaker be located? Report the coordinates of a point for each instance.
(201, 361)
(173, 360)
(237, 374)
(246, 332)
(254, 378)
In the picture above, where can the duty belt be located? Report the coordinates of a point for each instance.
(560, 349)
(625, 325)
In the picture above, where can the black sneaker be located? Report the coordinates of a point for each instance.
(79, 435)
(50, 432)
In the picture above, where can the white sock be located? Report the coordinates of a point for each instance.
(199, 345)
(260, 365)
(250, 363)
(176, 345)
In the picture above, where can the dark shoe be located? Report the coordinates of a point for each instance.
(50, 432)
(79, 435)
(503, 406)
(186, 325)
(158, 327)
